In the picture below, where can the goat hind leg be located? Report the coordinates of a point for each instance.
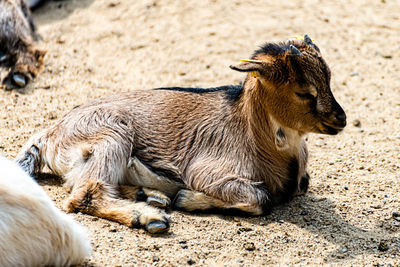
(256, 203)
(99, 199)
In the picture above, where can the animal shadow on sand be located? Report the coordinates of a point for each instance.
(318, 216)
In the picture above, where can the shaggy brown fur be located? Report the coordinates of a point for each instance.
(231, 147)
(18, 50)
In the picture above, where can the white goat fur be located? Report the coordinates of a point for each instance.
(33, 232)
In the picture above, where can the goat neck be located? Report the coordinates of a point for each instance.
(263, 127)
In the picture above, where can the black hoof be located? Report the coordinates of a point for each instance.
(157, 202)
(140, 195)
(157, 227)
(179, 199)
(15, 80)
(3, 58)
(8, 84)
(19, 80)
(304, 183)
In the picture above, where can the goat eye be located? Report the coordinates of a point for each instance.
(305, 96)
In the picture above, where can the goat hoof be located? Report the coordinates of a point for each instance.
(157, 202)
(182, 201)
(141, 195)
(8, 85)
(3, 58)
(19, 80)
(157, 227)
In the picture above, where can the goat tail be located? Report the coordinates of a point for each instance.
(30, 157)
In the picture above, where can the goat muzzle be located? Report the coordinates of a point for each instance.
(334, 125)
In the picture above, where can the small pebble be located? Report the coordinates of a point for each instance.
(190, 261)
(249, 246)
(60, 40)
(396, 214)
(155, 258)
(383, 247)
(354, 73)
(113, 4)
(304, 212)
(52, 115)
(346, 188)
(245, 229)
(357, 123)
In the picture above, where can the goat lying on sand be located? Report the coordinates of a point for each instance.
(17, 44)
(33, 232)
(231, 147)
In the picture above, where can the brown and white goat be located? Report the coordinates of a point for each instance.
(18, 50)
(226, 148)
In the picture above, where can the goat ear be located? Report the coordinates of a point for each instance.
(248, 65)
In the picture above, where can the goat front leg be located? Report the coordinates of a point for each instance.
(29, 62)
(98, 199)
(232, 196)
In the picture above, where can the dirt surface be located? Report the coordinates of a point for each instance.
(96, 48)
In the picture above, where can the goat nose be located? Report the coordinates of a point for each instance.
(341, 117)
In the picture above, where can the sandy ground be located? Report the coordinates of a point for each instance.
(97, 48)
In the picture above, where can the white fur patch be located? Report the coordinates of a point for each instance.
(290, 140)
(33, 232)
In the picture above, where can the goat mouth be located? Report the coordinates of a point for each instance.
(331, 129)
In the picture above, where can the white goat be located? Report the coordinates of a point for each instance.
(33, 232)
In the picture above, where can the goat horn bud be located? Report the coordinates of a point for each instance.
(251, 60)
(308, 40)
(294, 51)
